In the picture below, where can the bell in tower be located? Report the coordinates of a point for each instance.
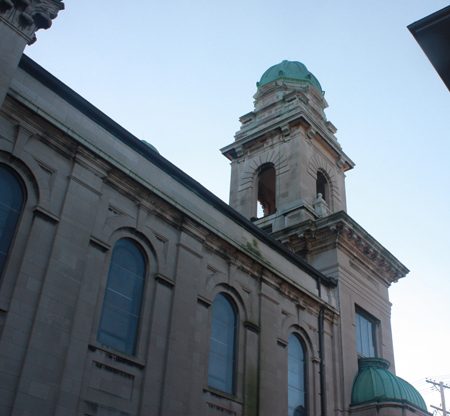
(286, 164)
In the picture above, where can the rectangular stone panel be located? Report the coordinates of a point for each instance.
(111, 380)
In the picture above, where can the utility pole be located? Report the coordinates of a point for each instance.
(441, 389)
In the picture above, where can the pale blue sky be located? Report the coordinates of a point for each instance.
(179, 74)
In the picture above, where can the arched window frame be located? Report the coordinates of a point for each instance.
(296, 337)
(259, 172)
(231, 389)
(133, 348)
(7, 240)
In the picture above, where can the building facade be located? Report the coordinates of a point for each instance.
(127, 288)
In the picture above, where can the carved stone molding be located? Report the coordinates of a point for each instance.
(285, 130)
(392, 268)
(340, 163)
(310, 133)
(28, 16)
(340, 230)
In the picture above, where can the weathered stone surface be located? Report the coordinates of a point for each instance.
(88, 186)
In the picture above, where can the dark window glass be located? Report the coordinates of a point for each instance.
(222, 347)
(11, 201)
(365, 334)
(121, 307)
(296, 378)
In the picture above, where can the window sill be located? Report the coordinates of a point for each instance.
(116, 355)
(366, 356)
(223, 395)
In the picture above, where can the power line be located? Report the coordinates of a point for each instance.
(437, 377)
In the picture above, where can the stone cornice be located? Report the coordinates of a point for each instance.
(293, 115)
(340, 229)
(28, 16)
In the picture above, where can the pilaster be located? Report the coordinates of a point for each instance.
(54, 333)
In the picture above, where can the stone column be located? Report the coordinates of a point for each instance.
(19, 22)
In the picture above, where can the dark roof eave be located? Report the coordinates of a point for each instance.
(430, 19)
(100, 118)
(432, 33)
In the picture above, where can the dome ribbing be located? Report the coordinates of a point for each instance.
(289, 71)
(375, 383)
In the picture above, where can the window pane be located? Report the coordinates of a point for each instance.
(222, 345)
(365, 334)
(296, 378)
(222, 338)
(223, 310)
(11, 201)
(220, 373)
(11, 194)
(119, 329)
(371, 345)
(358, 333)
(123, 289)
(121, 306)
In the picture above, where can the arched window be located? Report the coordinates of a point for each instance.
(11, 202)
(121, 307)
(266, 190)
(296, 378)
(222, 345)
(322, 187)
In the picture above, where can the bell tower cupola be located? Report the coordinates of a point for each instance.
(286, 163)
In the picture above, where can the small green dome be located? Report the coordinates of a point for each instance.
(289, 71)
(375, 383)
(150, 145)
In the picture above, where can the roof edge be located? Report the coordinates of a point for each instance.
(425, 21)
(92, 112)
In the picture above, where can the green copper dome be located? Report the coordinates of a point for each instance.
(150, 145)
(375, 383)
(289, 71)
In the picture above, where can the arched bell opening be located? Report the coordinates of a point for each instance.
(322, 187)
(266, 196)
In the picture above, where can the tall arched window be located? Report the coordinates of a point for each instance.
(121, 307)
(322, 187)
(222, 345)
(11, 202)
(296, 377)
(266, 190)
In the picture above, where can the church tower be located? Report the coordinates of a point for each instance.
(286, 153)
(288, 177)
